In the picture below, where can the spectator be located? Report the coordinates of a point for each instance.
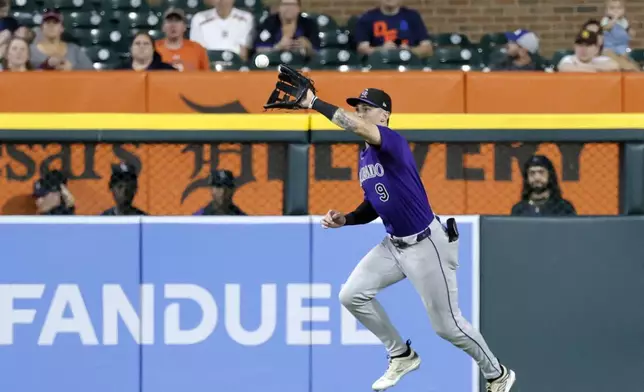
(521, 54)
(390, 27)
(124, 184)
(183, 54)
(144, 57)
(223, 190)
(52, 196)
(16, 57)
(586, 57)
(288, 30)
(541, 195)
(25, 33)
(223, 28)
(8, 25)
(595, 26)
(51, 52)
(617, 36)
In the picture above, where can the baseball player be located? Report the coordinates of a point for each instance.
(417, 245)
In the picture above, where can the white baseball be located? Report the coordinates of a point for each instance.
(261, 61)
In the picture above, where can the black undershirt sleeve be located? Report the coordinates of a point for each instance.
(324, 108)
(364, 213)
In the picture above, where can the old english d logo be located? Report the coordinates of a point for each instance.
(232, 107)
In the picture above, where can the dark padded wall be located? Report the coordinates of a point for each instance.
(562, 301)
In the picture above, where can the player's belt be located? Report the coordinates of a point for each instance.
(406, 242)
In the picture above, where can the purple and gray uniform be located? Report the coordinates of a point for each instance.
(417, 246)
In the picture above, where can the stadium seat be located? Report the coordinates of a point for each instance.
(136, 19)
(190, 6)
(102, 66)
(556, 58)
(324, 21)
(101, 54)
(224, 60)
(251, 6)
(454, 57)
(114, 39)
(334, 39)
(28, 6)
(638, 56)
(335, 59)
(125, 5)
(91, 19)
(393, 59)
(69, 5)
(495, 55)
(451, 39)
(276, 58)
(82, 37)
(351, 23)
(492, 40)
(261, 15)
(29, 19)
(156, 34)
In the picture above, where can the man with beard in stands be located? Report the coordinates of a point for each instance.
(541, 195)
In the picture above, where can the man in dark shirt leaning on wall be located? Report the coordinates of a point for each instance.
(541, 195)
(124, 184)
(222, 183)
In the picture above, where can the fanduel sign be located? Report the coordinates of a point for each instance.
(68, 313)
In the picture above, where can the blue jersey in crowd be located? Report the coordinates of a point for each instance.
(376, 28)
(391, 183)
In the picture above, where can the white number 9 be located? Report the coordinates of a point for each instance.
(382, 192)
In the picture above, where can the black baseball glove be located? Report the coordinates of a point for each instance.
(290, 89)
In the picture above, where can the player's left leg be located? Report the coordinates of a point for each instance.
(431, 267)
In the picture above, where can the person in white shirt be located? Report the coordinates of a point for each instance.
(223, 28)
(587, 57)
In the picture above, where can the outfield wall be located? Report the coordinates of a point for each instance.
(238, 304)
(189, 304)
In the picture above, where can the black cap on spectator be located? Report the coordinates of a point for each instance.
(50, 182)
(222, 178)
(41, 188)
(123, 172)
(539, 160)
(586, 37)
(56, 178)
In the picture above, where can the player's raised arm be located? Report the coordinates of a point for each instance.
(351, 122)
(295, 91)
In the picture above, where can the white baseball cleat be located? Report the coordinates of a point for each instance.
(398, 367)
(503, 383)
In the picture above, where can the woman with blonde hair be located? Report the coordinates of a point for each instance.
(16, 56)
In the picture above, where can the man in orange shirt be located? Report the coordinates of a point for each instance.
(183, 54)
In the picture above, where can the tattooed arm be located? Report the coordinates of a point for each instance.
(345, 120)
(352, 123)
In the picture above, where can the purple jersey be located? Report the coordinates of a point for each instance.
(391, 183)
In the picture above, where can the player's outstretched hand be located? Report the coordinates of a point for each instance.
(333, 219)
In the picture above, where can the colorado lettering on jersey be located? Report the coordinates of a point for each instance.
(371, 171)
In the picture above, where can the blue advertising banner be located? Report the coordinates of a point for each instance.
(193, 303)
(62, 284)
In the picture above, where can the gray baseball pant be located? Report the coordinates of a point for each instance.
(431, 267)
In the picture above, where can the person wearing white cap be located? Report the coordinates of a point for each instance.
(522, 51)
